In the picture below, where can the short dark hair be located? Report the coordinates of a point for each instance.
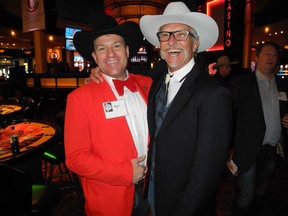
(268, 43)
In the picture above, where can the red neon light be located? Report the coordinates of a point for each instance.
(216, 48)
(210, 5)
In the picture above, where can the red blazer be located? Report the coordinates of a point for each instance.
(100, 150)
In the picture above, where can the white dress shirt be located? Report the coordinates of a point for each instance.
(270, 104)
(177, 79)
(136, 118)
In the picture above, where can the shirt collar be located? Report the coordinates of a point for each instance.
(182, 72)
(261, 77)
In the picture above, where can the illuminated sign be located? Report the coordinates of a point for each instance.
(215, 9)
(228, 24)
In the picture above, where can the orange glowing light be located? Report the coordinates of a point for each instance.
(212, 4)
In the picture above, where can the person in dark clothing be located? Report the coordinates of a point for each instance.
(260, 101)
(223, 69)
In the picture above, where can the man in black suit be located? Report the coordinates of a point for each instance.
(260, 101)
(190, 135)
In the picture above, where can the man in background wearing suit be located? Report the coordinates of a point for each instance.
(260, 101)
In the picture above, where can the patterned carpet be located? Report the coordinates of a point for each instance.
(70, 204)
(276, 197)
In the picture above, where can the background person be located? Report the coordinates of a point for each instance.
(260, 101)
(106, 132)
(223, 68)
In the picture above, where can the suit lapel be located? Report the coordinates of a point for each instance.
(151, 103)
(189, 87)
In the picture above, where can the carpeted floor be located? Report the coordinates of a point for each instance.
(70, 204)
(276, 203)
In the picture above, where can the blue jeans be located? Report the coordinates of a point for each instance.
(252, 184)
(151, 196)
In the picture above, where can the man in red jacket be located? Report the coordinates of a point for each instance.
(106, 132)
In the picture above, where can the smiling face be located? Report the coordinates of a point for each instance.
(177, 53)
(111, 55)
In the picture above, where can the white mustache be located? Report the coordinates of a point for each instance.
(173, 49)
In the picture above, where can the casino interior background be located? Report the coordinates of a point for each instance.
(17, 48)
(65, 13)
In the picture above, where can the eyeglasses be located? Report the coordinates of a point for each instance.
(180, 35)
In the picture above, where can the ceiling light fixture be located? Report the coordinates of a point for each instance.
(123, 10)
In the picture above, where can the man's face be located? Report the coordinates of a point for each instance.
(224, 70)
(177, 53)
(267, 60)
(111, 54)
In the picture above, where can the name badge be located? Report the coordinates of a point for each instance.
(114, 109)
(282, 96)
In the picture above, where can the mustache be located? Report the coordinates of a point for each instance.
(173, 47)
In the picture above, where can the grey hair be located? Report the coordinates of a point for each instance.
(193, 31)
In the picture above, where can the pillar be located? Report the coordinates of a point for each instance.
(39, 48)
(70, 59)
(248, 33)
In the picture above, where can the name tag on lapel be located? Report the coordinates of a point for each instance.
(282, 96)
(114, 109)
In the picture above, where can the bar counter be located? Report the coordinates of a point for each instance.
(53, 88)
(56, 80)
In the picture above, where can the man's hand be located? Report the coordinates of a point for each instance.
(139, 171)
(285, 121)
(95, 75)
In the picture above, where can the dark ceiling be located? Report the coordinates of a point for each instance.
(82, 11)
(267, 11)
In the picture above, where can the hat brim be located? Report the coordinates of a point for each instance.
(204, 25)
(130, 31)
(216, 66)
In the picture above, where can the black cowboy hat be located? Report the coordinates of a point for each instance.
(130, 31)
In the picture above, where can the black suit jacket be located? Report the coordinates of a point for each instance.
(192, 144)
(249, 118)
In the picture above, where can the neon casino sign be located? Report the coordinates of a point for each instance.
(221, 13)
(228, 10)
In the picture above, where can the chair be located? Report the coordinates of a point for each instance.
(12, 100)
(27, 102)
(29, 108)
(55, 157)
(38, 109)
(20, 197)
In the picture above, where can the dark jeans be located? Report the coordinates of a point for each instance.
(251, 185)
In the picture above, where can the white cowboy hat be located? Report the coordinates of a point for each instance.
(178, 12)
